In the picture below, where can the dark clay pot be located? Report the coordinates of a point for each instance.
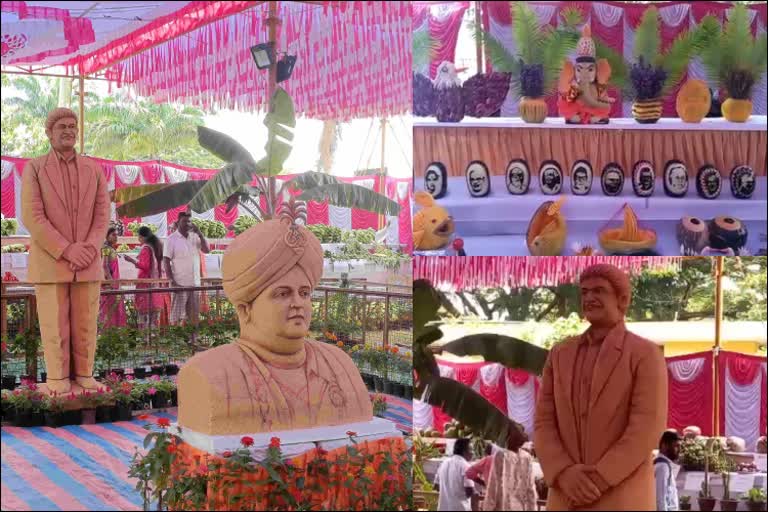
(9, 382)
(122, 412)
(88, 416)
(29, 419)
(389, 387)
(378, 384)
(104, 414)
(160, 400)
(139, 372)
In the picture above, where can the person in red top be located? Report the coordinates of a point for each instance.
(481, 470)
(148, 305)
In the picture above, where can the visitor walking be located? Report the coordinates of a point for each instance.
(182, 266)
(666, 486)
(451, 480)
(111, 307)
(149, 264)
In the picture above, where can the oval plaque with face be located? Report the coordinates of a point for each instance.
(675, 178)
(518, 177)
(581, 178)
(550, 178)
(643, 178)
(612, 179)
(478, 179)
(436, 180)
(709, 182)
(742, 182)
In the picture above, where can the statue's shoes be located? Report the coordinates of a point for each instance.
(59, 386)
(88, 383)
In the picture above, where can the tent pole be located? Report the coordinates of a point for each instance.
(718, 335)
(478, 40)
(81, 97)
(383, 173)
(272, 22)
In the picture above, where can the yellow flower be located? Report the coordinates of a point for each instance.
(369, 471)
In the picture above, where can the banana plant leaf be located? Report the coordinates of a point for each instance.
(425, 307)
(127, 194)
(161, 200)
(470, 408)
(510, 352)
(317, 186)
(280, 123)
(217, 189)
(224, 147)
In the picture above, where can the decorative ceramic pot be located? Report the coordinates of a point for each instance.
(647, 111)
(729, 505)
(707, 504)
(533, 110)
(693, 101)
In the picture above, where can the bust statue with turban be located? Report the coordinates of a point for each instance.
(272, 377)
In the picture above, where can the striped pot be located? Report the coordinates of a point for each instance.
(646, 111)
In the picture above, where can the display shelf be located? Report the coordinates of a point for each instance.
(754, 123)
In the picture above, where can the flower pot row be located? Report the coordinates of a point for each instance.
(9, 381)
(708, 504)
(382, 385)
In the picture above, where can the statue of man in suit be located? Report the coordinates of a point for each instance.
(65, 207)
(602, 406)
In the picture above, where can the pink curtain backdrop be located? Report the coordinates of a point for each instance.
(137, 173)
(742, 410)
(473, 272)
(443, 21)
(742, 396)
(614, 23)
(690, 392)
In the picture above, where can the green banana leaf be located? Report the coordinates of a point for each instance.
(280, 122)
(317, 186)
(161, 200)
(473, 410)
(425, 307)
(224, 146)
(217, 189)
(510, 352)
(127, 194)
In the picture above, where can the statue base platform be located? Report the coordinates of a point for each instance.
(292, 442)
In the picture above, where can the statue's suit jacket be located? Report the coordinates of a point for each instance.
(49, 221)
(628, 413)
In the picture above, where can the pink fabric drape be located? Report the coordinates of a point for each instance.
(7, 195)
(691, 403)
(742, 370)
(517, 377)
(497, 394)
(317, 213)
(445, 31)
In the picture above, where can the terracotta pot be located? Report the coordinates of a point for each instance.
(647, 111)
(729, 505)
(755, 506)
(533, 110)
(737, 111)
(707, 504)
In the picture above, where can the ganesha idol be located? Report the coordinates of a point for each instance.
(583, 87)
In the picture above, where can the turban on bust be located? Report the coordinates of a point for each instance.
(56, 114)
(260, 256)
(618, 278)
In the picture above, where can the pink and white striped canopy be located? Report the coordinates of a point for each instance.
(354, 58)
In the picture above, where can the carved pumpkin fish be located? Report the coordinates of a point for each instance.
(547, 230)
(432, 226)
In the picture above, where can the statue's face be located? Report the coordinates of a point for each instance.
(433, 181)
(282, 311)
(63, 134)
(586, 72)
(599, 303)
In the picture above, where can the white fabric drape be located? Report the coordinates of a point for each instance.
(674, 15)
(491, 373)
(544, 12)
(402, 190)
(128, 174)
(160, 220)
(608, 15)
(521, 403)
(423, 418)
(503, 35)
(686, 370)
(22, 230)
(7, 169)
(447, 372)
(173, 175)
(424, 27)
(112, 206)
(742, 409)
(340, 217)
(209, 215)
(393, 231)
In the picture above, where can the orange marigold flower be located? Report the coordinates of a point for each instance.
(164, 422)
(395, 350)
(246, 441)
(340, 344)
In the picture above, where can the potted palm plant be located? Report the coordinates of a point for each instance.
(727, 504)
(654, 73)
(734, 59)
(756, 499)
(706, 501)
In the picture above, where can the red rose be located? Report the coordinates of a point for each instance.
(351, 434)
(164, 422)
(226, 454)
(246, 441)
(274, 442)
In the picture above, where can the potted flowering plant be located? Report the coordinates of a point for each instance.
(164, 388)
(27, 403)
(89, 400)
(53, 407)
(756, 499)
(122, 396)
(6, 405)
(685, 503)
(379, 405)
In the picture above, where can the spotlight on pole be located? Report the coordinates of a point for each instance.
(263, 55)
(285, 67)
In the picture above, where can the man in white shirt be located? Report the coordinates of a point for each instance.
(451, 479)
(666, 487)
(181, 260)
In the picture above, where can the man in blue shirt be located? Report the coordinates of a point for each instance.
(666, 488)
